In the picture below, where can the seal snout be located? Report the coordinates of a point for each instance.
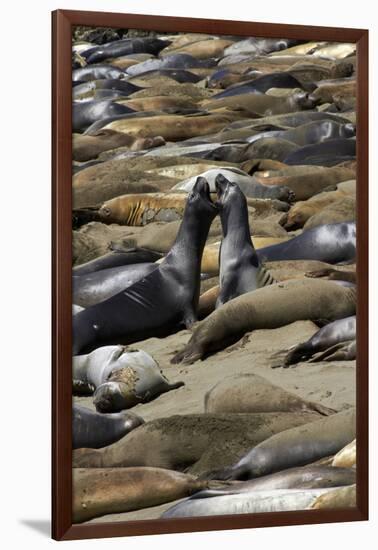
(222, 185)
(203, 189)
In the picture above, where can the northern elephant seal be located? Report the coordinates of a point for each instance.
(196, 443)
(250, 393)
(344, 497)
(163, 299)
(295, 447)
(346, 457)
(101, 491)
(93, 430)
(268, 307)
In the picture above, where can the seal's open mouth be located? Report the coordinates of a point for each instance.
(203, 189)
(222, 186)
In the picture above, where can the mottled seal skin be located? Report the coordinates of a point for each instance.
(162, 300)
(246, 503)
(86, 90)
(295, 447)
(240, 269)
(250, 393)
(124, 47)
(93, 430)
(116, 258)
(97, 72)
(98, 286)
(344, 497)
(304, 477)
(268, 307)
(331, 243)
(85, 113)
(120, 378)
(194, 443)
(341, 330)
(97, 491)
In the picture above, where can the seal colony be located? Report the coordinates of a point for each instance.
(214, 279)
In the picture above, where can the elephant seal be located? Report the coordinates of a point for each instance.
(120, 378)
(98, 286)
(163, 299)
(342, 210)
(326, 153)
(268, 307)
(259, 46)
(87, 90)
(101, 491)
(343, 497)
(87, 112)
(87, 147)
(195, 443)
(246, 503)
(250, 393)
(341, 330)
(295, 447)
(97, 72)
(305, 181)
(248, 185)
(240, 268)
(261, 84)
(140, 209)
(203, 49)
(126, 46)
(92, 430)
(116, 258)
(304, 477)
(346, 457)
(332, 243)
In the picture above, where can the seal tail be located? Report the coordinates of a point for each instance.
(321, 409)
(175, 385)
(227, 474)
(265, 278)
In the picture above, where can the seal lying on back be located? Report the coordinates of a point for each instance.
(163, 299)
(331, 243)
(341, 330)
(246, 503)
(97, 492)
(295, 447)
(240, 268)
(250, 393)
(92, 430)
(270, 307)
(121, 379)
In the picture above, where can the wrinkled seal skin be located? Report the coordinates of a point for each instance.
(250, 393)
(93, 430)
(341, 330)
(162, 300)
(240, 268)
(331, 243)
(98, 491)
(266, 308)
(295, 447)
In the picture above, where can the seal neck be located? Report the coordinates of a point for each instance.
(235, 224)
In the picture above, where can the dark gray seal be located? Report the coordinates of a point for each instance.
(331, 243)
(92, 430)
(261, 84)
(125, 47)
(326, 153)
(86, 113)
(116, 258)
(240, 267)
(337, 332)
(164, 299)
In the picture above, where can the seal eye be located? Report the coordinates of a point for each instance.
(106, 211)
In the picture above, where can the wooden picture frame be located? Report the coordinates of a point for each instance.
(62, 23)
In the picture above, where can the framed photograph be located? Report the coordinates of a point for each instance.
(210, 274)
